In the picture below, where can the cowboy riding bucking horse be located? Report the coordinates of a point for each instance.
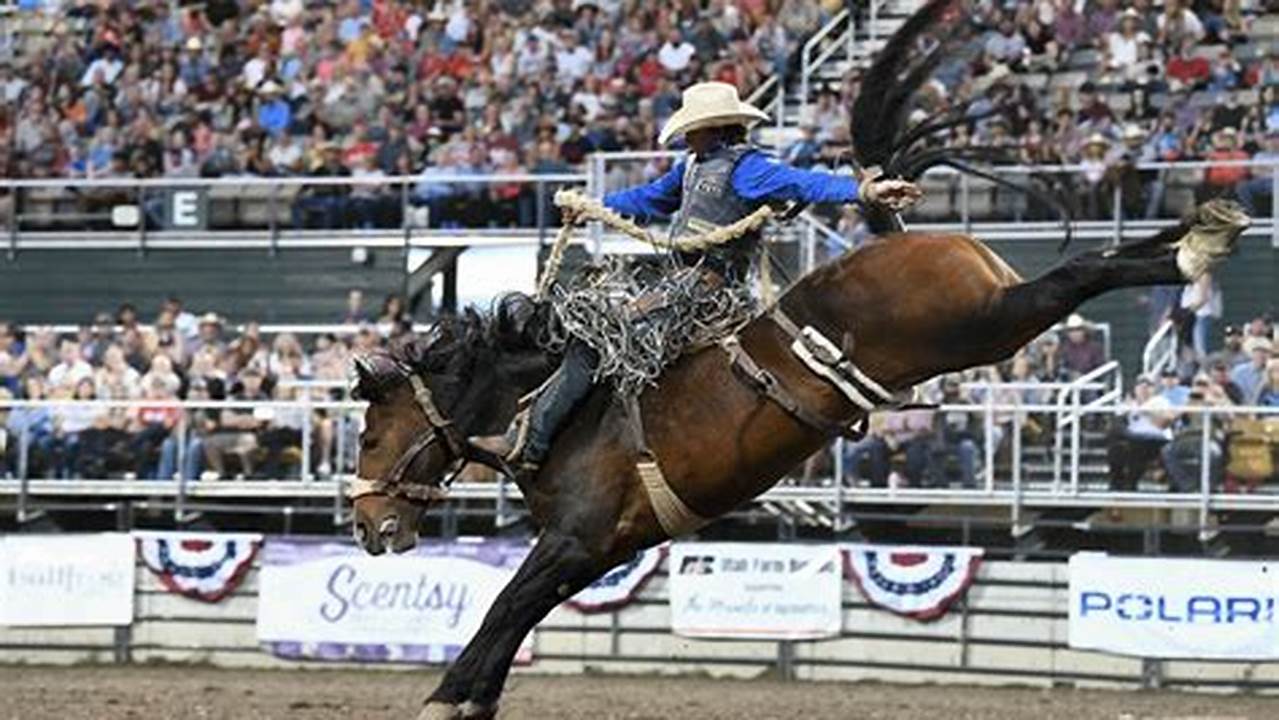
(723, 179)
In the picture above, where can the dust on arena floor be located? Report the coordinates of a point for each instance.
(202, 693)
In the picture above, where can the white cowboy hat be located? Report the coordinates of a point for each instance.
(709, 104)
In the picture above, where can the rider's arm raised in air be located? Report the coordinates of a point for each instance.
(656, 200)
(759, 177)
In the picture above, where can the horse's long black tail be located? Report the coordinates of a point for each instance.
(881, 134)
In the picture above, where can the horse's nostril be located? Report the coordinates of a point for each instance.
(360, 532)
(389, 527)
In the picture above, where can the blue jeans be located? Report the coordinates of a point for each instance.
(1251, 191)
(192, 464)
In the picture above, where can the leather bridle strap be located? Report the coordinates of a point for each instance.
(438, 426)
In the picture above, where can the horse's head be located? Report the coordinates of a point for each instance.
(426, 398)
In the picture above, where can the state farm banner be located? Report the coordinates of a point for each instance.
(63, 580)
(329, 600)
(755, 590)
(1174, 608)
(916, 581)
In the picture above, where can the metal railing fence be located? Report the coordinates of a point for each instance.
(1009, 484)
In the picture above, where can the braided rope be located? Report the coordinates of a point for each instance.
(578, 208)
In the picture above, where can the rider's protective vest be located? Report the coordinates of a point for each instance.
(708, 202)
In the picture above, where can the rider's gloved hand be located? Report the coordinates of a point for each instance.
(895, 195)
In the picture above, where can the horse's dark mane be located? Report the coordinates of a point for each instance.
(455, 341)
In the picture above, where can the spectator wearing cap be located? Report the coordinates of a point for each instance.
(235, 433)
(1219, 373)
(1231, 352)
(1185, 69)
(1081, 353)
(1250, 375)
(1124, 47)
(274, 113)
(1221, 179)
(1178, 23)
(1144, 434)
(1171, 387)
(327, 203)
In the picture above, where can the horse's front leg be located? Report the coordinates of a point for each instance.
(556, 568)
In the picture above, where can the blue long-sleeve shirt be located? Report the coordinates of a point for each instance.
(756, 177)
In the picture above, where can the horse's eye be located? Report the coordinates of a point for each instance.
(367, 441)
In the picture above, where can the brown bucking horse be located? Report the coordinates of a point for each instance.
(905, 307)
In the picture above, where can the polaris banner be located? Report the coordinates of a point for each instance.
(328, 600)
(64, 580)
(1172, 608)
(754, 590)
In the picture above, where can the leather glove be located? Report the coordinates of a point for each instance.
(895, 195)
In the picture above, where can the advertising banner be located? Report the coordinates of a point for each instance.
(915, 581)
(755, 590)
(330, 600)
(65, 580)
(1174, 608)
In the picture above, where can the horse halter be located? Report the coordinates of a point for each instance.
(439, 429)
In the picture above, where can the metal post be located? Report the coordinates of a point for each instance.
(786, 659)
(1016, 447)
(989, 432)
(810, 248)
(23, 481)
(141, 197)
(963, 205)
(1205, 476)
(1274, 203)
(13, 224)
(273, 227)
(838, 484)
(307, 428)
(539, 192)
(1117, 198)
(1074, 440)
(597, 230)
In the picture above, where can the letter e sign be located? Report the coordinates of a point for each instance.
(187, 209)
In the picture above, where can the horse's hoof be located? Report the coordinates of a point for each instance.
(440, 711)
(476, 711)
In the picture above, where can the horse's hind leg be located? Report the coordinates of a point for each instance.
(1170, 257)
(555, 569)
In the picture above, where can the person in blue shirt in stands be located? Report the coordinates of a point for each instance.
(723, 179)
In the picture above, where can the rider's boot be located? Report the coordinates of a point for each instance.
(569, 385)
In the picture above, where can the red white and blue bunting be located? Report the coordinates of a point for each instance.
(619, 586)
(201, 566)
(915, 581)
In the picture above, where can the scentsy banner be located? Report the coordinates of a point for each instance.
(60, 580)
(1174, 608)
(912, 580)
(329, 600)
(755, 590)
(201, 566)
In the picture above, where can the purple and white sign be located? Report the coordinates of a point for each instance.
(329, 600)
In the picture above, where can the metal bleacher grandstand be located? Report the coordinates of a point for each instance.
(67, 256)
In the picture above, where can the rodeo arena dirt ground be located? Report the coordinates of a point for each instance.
(190, 693)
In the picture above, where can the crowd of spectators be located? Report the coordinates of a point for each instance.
(940, 447)
(176, 356)
(370, 87)
(365, 88)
